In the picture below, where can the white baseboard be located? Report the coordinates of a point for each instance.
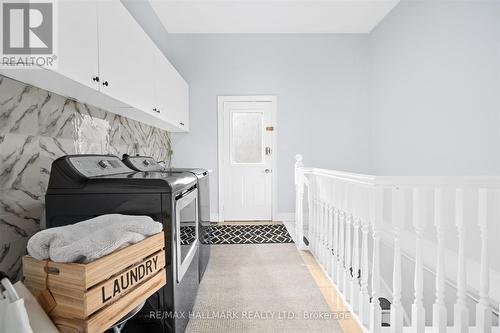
(214, 217)
(285, 217)
(280, 217)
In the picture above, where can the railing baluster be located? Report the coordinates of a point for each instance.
(312, 223)
(315, 223)
(354, 287)
(417, 309)
(375, 311)
(329, 258)
(310, 211)
(310, 217)
(336, 247)
(325, 235)
(335, 230)
(364, 298)
(460, 311)
(439, 312)
(326, 240)
(397, 312)
(330, 229)
(320, 230)
(310, 227)
(347, 255)
(483, 309)
(340, 282)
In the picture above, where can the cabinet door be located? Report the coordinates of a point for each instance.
(126, 57)
(172, 93)
(77, 45)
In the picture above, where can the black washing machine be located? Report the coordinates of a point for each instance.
(146, 163)
(85, 186)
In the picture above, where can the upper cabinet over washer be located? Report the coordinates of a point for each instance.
(78, 51)
(106, 59)
(126, 57)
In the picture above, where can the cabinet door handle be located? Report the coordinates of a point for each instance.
(156, 110)
(95, 79)
(182, 124)
(105, 83)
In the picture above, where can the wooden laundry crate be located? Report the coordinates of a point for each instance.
(92, 297)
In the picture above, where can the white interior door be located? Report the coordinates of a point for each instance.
(247, 160)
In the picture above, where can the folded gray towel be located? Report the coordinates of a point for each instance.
(92, 239)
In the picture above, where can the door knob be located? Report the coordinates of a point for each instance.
(95, 79)
(105, 83)
(267, 171)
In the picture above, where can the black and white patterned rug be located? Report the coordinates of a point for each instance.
(241, 234)
(249, 234)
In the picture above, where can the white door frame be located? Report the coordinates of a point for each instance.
(220, 138)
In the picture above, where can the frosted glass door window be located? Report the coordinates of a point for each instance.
(246, 137)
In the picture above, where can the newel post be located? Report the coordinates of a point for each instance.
(299, 199)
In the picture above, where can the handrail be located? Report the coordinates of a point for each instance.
(345, 210)
(348, 176)
(487, 181)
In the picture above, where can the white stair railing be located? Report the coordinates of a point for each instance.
(355, 219)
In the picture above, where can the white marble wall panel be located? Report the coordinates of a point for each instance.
(19, 162)
(19, 106)
(37, 127)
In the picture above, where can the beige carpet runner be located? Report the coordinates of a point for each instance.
(259, 288)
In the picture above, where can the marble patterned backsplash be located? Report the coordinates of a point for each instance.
(36, 127)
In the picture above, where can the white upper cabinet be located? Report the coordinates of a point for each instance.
(106, 59)
(126, 57)
(78, 44)
(171, 93)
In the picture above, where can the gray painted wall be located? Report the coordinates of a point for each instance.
(435, 89)
(319, 81)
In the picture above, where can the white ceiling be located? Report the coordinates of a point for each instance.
(278, 16)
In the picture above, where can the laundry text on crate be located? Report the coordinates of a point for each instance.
(136, 275)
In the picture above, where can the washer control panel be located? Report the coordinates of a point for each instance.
(98, 165)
